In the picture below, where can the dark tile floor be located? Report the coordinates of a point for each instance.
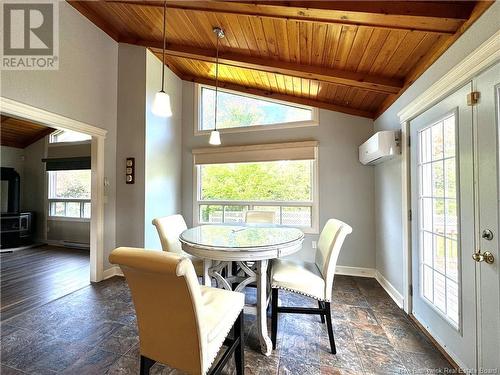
(93, 331)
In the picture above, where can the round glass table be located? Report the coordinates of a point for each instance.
(252, 246)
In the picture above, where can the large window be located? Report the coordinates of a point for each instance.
(236, 111)
(227, 185)
(69, 193)
(60, 136)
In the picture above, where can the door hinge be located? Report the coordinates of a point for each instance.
(473, 98)
(409, 215)
(411, 290)
(409, 141)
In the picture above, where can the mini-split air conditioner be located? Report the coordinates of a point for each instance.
(382, 146)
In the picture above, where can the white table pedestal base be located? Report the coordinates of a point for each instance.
(256, 274)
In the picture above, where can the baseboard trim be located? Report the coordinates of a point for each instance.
(389, 288)
(355, 271)
(113, 271)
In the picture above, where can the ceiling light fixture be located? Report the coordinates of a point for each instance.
(215, 135)
(161, 103)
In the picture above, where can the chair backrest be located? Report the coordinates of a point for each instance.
(168, 305)
(256, 217)
(169, 228)
(329, 244)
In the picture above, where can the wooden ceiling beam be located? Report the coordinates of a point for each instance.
(282, 97)
(440, 23)
(322, 74)
(433, 55)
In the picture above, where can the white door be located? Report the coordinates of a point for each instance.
(442, 180)
(487, 132)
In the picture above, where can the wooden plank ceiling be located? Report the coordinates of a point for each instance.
(19, 133)
(351, 56)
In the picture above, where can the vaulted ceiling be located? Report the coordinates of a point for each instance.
(20, 133)
(355, 57)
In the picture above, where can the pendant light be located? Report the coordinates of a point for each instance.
(215, 135)
(161, 103)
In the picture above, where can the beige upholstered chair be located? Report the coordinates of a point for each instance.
(256, 217)
(311, 279)
(181, 323)
(169, 228)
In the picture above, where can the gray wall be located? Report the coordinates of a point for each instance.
(154, 142)
(34, 188)
(388, 204)
(84, 88)
(346, 186)
(130, 143)
(13, 157)
(163, 151)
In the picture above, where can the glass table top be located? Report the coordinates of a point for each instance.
(240, 236)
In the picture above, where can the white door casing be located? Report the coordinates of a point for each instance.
(56, 121)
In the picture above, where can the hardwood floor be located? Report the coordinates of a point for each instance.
(94, 331)
(33, 277)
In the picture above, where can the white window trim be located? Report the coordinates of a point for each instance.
(67, 218)
(314, 204)
(286, 125)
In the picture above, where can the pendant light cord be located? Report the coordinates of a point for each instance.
(164, 46)
(216, 81)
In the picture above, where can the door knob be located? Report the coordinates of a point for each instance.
(483, 257)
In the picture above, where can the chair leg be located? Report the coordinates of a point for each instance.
(274, 316)
(321, 305)
(146, 365)
(329, 327)
(239, 353)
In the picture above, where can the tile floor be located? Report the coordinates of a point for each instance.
(93, 331)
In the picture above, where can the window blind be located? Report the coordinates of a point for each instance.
(62, 164)
(305, 150)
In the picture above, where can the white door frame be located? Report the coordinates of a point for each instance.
(53, 120)
(486, 55)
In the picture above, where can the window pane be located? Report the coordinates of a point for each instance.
(234, 111)
(449, 136)
(234, 214)
(86, 210)
(72, 209)
(57, 208)
(68, 136)
(211, 214)
(450, 178)
(451, 259)
(439, 254)
(276, 210)
(296, 216)
(70, 184)
(437, 179)
(427, 283)
(437, 141)
(265, 181)
(439, 291)
(452, 300)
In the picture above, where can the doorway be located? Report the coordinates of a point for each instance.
(23, 111)
(455, 204)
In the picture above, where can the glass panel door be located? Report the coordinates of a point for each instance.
(438, 227)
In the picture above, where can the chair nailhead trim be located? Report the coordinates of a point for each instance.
(299, 292)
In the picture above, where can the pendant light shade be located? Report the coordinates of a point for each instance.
(161, 103)
(215, 135)
(214, 138)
